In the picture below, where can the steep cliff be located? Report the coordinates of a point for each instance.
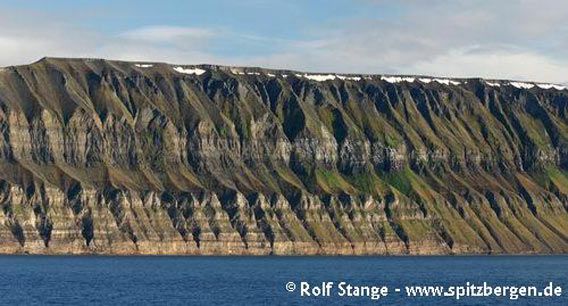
(114, 157)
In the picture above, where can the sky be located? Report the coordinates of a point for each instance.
(505, 39)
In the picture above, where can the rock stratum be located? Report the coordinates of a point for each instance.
(108, 157)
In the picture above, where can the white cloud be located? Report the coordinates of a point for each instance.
(516, 39)
(32, 36)
(160, 34)
(495, 65)
(154, 53)
(513, 39)
(161, 43)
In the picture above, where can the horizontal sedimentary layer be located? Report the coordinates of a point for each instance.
(112, 221)
(123, 158)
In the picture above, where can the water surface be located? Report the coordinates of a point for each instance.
(77, 280)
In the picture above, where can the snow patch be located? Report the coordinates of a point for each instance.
(249, 73)
(550, 86)
(492, 84)
(397, 79)
(317, 77)
(545, 86)
(195, 71)
(522, 85)
(270, 75)
(425, 80)
(349, 78)
(144, 65)
(447, 81)
(525, 85)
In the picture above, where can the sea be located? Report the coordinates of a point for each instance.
(272, 280)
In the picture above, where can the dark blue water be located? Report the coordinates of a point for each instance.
(262, 280)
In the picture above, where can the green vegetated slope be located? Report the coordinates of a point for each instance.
(114, 157)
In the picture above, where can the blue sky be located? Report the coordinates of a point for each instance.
(518, 39)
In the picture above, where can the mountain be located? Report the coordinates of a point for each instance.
(114, 157)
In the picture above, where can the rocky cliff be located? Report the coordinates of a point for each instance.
(114, 157)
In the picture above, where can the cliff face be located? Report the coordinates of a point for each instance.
(122, 158)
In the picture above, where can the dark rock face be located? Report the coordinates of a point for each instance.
(121, 158)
